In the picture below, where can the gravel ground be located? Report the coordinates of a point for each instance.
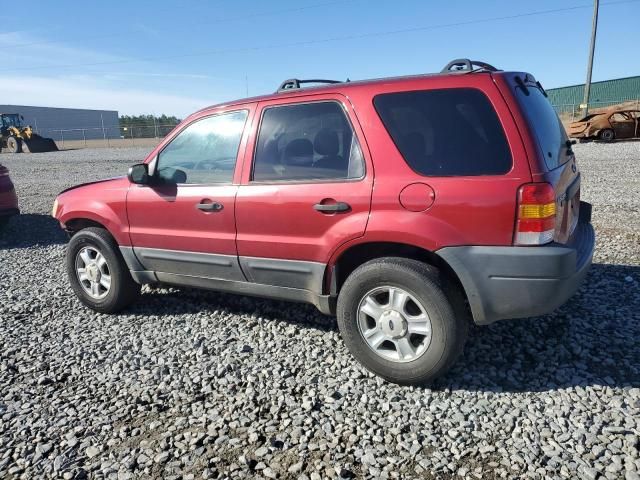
(195, 384)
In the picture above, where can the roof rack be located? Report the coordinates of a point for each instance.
(294, 83)
(464, 65)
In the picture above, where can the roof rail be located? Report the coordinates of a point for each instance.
(465, 65)
(294, 83)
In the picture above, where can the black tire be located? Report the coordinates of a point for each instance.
(123, 290)
(607, 135)
(14, 144)
(447, 314)
(4, 221)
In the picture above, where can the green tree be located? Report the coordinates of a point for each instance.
(147, 126)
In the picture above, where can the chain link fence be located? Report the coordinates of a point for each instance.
(106, 136)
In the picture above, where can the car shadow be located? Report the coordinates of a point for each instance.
(30, 230)
(177, 301)
(591, 340)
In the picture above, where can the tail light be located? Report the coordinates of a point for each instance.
(536, 220)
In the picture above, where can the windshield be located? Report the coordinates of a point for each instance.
(544, 120)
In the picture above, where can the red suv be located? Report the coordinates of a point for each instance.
(401, 205)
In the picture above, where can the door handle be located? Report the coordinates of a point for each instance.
(332, 207)
(209, 207)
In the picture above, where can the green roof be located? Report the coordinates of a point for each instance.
(609, 92)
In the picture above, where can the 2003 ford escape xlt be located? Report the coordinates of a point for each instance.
(405, 206)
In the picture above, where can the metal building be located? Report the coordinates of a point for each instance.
(602, 94)
(68, 123)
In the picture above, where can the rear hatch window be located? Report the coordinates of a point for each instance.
(561, 171)
(546, 125)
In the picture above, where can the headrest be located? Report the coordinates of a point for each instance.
(270, 152)
(326, 142)
(299, 152)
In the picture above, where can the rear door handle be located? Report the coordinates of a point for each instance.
(209, 207)
(332, 207)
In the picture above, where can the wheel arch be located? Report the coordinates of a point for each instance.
(77, 210)
(75, 224)
(354, 256)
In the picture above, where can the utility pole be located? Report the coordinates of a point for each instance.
(592, 47)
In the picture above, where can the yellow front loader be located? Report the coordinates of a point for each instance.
(16, 138)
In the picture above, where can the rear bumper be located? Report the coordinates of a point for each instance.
(518, 282)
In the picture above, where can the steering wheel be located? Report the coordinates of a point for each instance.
(187, 165)
(216, 164)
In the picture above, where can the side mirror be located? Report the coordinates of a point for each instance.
(139, 174)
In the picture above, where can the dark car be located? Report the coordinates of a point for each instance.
(405, 206)
(607, 126)
(8, 198)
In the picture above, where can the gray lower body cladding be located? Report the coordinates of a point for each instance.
(519, 282)
(265, 277)
(193, 264)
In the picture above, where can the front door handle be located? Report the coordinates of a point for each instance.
(209, 207)
(332, 207)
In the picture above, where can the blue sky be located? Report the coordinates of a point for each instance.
(174, 57)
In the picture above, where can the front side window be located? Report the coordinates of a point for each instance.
(311, 141)
(446, 132)
(204, 152)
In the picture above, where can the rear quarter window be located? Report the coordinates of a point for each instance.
(447, 132)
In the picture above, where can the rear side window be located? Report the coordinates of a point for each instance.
(310, 141)
(446, 132)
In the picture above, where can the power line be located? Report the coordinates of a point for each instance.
(323, 40)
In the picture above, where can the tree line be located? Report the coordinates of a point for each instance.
(147, 126)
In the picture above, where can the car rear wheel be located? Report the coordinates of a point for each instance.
(607, 135)
(396, 319)
(97, 272)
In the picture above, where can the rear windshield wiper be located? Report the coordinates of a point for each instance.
(522, 85)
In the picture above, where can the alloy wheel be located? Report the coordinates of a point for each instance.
(93, 272)
(394, 324)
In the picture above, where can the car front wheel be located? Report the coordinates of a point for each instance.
(97, 272)
(396, 319)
